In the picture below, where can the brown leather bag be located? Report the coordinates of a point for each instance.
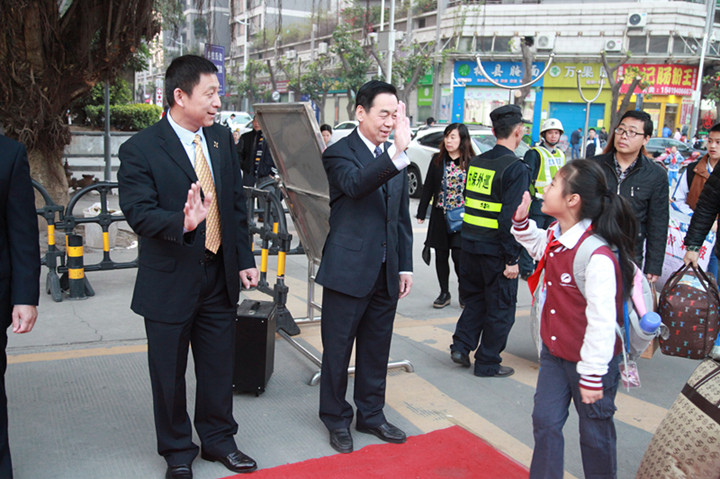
(689, 306)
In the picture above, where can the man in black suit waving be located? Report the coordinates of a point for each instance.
(367, 263)
(181, 191)
(19, 265)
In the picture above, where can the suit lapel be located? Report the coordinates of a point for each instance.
(362, 154)
(171, 144)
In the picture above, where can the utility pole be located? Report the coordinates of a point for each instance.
(391, 42)
(709, 20)
(437, 94)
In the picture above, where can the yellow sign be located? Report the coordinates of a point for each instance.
(564, 75)
(480, 180)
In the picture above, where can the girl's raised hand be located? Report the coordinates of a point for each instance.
(522, 211)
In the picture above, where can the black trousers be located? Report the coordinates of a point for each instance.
(5, 461)
(209, 328)
(368, 323)
(489, 313)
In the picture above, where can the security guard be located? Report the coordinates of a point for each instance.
(496, 181)
(544, 160)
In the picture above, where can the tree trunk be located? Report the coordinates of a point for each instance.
(528, 57)
(626, 101)
(350, 106)
(47, 169)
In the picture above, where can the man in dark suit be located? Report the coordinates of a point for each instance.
(19, 265)
(366, 265)
(181, 192)
(255, 157)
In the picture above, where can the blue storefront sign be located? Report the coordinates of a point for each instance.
(216, 54)
(468, 74)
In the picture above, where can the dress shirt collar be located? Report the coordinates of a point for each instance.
(570, 238)
(186, 136)
(370, 145)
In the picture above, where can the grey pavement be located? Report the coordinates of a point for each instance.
(80, 401)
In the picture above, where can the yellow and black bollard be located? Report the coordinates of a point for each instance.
(78, 285)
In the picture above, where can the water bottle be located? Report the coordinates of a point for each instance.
(640, 337)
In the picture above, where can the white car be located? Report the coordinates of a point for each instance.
(240, 120)
(343, 129)
(427, 142)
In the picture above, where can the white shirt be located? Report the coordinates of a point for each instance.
(400, 162)
(187, 137)
(600, 288)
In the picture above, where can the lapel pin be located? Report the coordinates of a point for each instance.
(215, 144)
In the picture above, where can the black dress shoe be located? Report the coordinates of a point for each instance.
(341, 440)
(181, 471)
(236, 461)
(441, 301)
(387, 432)
(502, 372)
(461, 358)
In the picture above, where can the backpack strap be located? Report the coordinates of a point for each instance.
(582, 258)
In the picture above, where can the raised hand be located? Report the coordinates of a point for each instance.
(402, 128)
(523, 209)
(195, 209)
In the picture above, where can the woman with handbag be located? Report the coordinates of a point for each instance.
(444, 184)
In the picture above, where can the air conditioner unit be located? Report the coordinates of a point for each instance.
(322, 48)
(290, 54)
(613, 44)
(637, 19)
(545, 41)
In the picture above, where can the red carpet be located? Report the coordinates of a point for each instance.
(447, 453)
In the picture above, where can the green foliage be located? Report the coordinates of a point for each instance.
(712, 87)
(139, 61)
(133, 117)
(120, 94)
(200, 27)
(249, 87)
(358, 16)
(411, 62)
(171, 12)
(424, 6)
(296, 32)
(356, 62)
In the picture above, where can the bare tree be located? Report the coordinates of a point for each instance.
(528, 57)
(616, 85)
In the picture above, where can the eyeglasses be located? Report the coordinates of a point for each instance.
(629, 133)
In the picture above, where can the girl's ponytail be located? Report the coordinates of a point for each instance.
(611, 214)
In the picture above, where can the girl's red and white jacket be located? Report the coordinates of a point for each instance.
(574, 327)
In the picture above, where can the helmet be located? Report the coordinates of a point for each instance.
(551, 124)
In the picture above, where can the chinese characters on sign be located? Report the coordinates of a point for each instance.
(505, 73)
(663, 79)
(216, 54)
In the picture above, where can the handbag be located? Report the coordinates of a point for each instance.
(453, 216)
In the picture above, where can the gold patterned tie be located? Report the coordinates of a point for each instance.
(213, 236)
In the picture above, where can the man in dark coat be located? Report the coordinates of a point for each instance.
(181, 192)
(255, 157)
(644, 183)
(19, 265)
(366, 264)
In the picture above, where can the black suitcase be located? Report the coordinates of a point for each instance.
(254, 346)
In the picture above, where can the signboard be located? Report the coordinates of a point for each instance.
(663, 79)
(564, 75)
(159, 97)
(506, 73)
(216, 54)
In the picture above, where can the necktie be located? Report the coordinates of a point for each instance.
(378, 151)
(213, 236)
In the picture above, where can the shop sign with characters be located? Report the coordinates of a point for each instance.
(564, 75)
(505, 73)
(662, 79)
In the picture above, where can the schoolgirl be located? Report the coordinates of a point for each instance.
(580, 350)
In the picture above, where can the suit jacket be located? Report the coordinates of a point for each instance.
(154, 177)
(248, 149)
(19, 246)
(364, 220)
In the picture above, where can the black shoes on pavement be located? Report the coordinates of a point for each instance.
(502, 372)
(181, 471)
(236, 461)
(442, 301)
(387, 432)
(341, 440)
(461, 358)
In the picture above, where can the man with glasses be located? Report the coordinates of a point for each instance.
(644, 183)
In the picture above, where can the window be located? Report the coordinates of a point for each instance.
(658, 44)
(638, 44)
(432, 139)
(484, 44)
(502, 44)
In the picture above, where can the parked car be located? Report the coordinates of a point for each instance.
(240, 120)
(656, 147)
(427, 142)
(342, 129)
